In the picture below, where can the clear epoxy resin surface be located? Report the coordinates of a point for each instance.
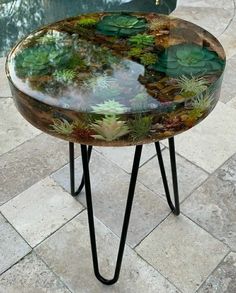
(116, 78)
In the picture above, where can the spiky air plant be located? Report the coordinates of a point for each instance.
(140, 127)
(109, 128)
(142, 40)
(192, 85)
(62, 126)
(203, 102)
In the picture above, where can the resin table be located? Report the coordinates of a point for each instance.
(117, 79)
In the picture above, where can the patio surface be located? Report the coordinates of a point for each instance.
(44, 240)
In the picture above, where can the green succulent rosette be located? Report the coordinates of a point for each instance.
(121, 25)
(188, 60)
(39, 61)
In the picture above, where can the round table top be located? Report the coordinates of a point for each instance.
(116, 78)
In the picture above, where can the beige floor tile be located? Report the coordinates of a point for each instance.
(232, 103)
(215, 20)
(223, 280)
(228, 39)
(12, 246)
(68, 254)
(109, 190)
(213, 207)
(40, 210)
(4, 86)
(228, 90)
(14, 129)
(29, 163)
(31, 275)
(183, 252)
(189, 176)
(123, 156)
(212, 142)
(227, 4)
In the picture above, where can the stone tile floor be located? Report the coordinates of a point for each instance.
(44, 241)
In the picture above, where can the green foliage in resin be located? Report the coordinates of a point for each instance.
(142, 40)
(64, 76)
(121, 25)
(135, 52)
(62, 126)
(192, 85)
(188, 60)
(103, 82)
(139, 102)
(41, 60)
(203, 102)
(109, 107)
(109, 128)
(148, 59)
(140, 126)
(87, 22)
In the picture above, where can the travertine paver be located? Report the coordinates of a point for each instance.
(40, 210)
(182, 252)
(189, 176)
(228, 39)
(223, 279)
(12, 246)
(213, 205)
(213, 19)
(110, 189)
(14, 129)
(31, 275)
(124, 156)
(212, 142)
(4, 85)
(226, 4)
(29, 163)
(228, 90)
(68, 254)
(232, 103)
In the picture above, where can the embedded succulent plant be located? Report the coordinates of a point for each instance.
(188, 60)
(135, 52)
(40, 60)
(192, 85)
(140, 127)
(148, 59)
(121, 25)
(142, 40)
(62, 126)
(99, 82)
(64, 76)
(203, 102)
(139, 102)
(109, 107)
(87, 22)
(109, 128)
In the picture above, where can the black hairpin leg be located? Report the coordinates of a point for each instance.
(130, 197)
(72, 170)
(86, 154)
(174, 207)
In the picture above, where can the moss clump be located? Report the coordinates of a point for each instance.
(135, 52)
(87, 22)
(148, 59)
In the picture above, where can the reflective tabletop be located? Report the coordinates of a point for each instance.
(116, 79)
